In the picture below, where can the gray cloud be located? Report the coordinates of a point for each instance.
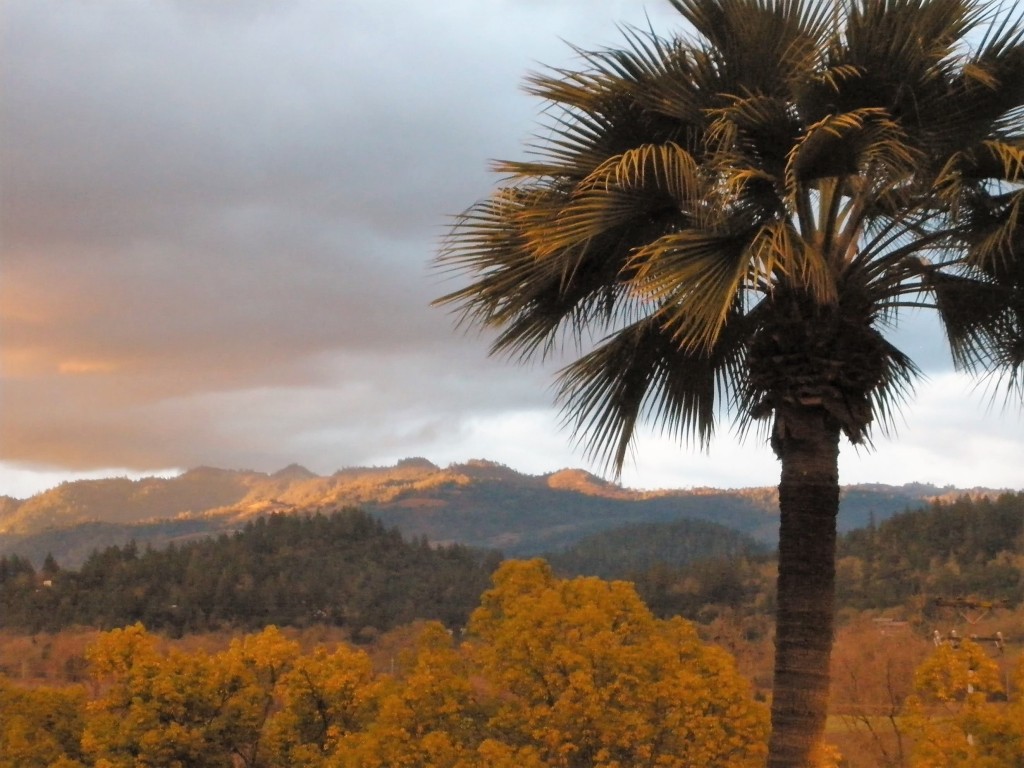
(217, 221)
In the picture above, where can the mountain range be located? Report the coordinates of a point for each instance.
(479, 503)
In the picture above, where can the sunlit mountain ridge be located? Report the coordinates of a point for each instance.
(479, 502)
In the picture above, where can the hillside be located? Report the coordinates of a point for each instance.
(346, 569)
(478, 503)
(632, 549)
(954, 552)
(952, 549)
(341, 569)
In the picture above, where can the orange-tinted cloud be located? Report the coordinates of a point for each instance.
(216, 221)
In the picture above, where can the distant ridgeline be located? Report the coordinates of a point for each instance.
(347, 569)
(479, 503)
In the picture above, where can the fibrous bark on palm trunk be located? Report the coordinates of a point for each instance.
(807, 443)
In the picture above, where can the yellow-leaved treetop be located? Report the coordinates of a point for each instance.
(960, 716)
(156, 709)
(584, 675)
(426, 712)
(323, 697)
(40, 727)
(555, 674)
(187, 710)
(251, 674)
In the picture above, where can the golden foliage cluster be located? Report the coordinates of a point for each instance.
(551, 673)
(965, 713)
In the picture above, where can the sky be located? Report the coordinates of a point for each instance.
(217, 224)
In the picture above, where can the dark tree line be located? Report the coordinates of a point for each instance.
(634, 548)
(968, 547)
(342, 568)
(347, 569)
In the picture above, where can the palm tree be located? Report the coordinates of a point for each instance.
(730, 221)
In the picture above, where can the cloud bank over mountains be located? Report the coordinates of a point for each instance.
(217, 221)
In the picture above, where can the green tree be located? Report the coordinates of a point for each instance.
(730, 220)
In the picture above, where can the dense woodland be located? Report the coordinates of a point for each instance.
(630, 549)
(343, 569)
(549, 671)
(967, 547)
(554, 672)
(951, 549)
(348, 570)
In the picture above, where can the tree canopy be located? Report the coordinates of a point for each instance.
(563, 673)
(341, 568)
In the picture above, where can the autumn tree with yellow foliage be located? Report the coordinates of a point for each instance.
(155, 709)
(553, 672)
(41, 727)
(586, 676)
(323, 697)
(961, 716)
(563, 673)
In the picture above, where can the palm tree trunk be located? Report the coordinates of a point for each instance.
(806, 441)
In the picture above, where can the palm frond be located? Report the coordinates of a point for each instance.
(781, 254)
(757, 46)
(543, 269)
(746, 205)
(972, 179)
(694, 277)
(972, 312)
(996, 236)
(865, 140)
(910, 42)
(1009, 158)
(641, 371)
(894, 389)
(759, 132)
(637, 185)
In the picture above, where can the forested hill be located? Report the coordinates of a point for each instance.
(631, 549)
(964, 549)
(478, 503)
(949, 550)
(349, 570)
(343, 569)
